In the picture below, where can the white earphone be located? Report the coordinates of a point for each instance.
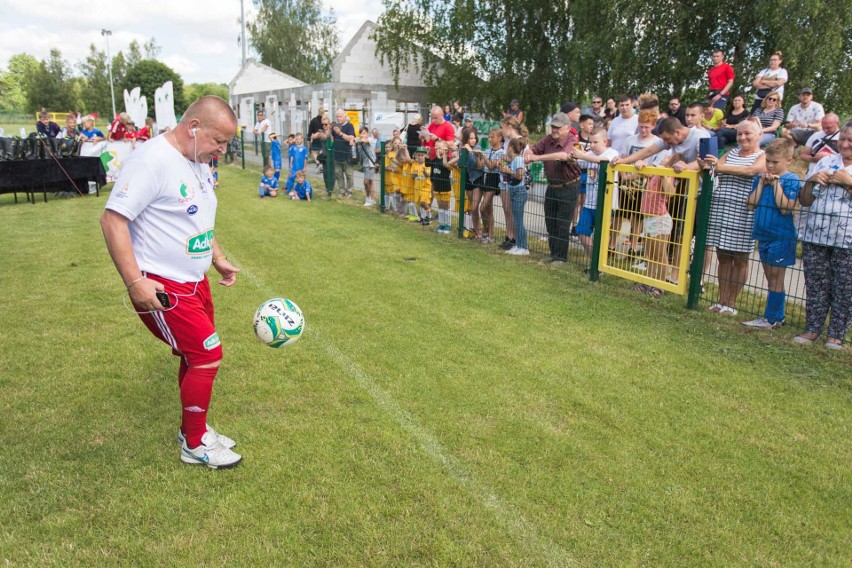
(194, 132)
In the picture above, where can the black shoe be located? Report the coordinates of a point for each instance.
(507, 244)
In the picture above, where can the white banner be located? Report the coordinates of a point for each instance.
(136, 106)
(113, 154)
(164, 106)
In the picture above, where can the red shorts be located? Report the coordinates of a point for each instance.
(188, 326)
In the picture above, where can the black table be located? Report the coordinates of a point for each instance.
(51, 175)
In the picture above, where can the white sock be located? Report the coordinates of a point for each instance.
(423, 212)
(468, 221)
(412, 209)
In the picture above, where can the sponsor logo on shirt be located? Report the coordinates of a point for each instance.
(187, 192)
(192, 210)
(200, 245)
(212, 342)
(122, 193)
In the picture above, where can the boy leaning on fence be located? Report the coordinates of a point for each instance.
(773, 198)
(591, 162)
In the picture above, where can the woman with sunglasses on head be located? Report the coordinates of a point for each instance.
(770, 116)
(770, 80)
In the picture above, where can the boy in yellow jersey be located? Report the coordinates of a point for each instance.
(422, 185)
(406, 184)
(391, 176)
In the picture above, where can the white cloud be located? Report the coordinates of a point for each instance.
(198, 40)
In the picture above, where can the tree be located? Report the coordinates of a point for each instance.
(134, 54)
(195, 91)
(13, 95)
(486, 52)
(152, 50)
(296, 38)
(149, 75)
(95, 88)
(50, 85)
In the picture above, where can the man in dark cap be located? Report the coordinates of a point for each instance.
(563, 184)
(515, 110)
(804, 118)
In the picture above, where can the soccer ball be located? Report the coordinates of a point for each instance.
(278, 322)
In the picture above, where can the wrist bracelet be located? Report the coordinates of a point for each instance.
(135, 282)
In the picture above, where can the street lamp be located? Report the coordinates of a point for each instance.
(106, 34)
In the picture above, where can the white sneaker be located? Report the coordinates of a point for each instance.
(210, 453)
(641, 266)
(517, 251)
(762, 323)
(224, 440)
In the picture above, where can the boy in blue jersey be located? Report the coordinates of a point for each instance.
(773, 198)
(298, 154)
(275, 155)
(300, 189)
(268, 184)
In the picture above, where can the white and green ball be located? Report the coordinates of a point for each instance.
(278, 322)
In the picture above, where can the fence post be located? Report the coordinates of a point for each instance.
(462, 183)
(702, 216)
(381, 159)
(243, 146)
(599, 211)
(328, 167)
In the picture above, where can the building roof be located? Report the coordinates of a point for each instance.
(256, 77)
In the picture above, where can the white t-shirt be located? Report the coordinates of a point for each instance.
(592, 169)
(814, 113)
(619, 130)
(258, 126)
(779, 73)
(633, 145)
(688, 149)
(816, 142)
(171, 206)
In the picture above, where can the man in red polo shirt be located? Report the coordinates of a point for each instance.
(721, 80)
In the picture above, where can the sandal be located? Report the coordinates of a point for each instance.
(806, 338)
(834, 344)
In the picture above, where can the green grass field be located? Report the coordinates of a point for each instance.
(448, 406)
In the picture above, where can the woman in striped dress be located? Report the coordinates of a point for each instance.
(731, 222)
(770, 116)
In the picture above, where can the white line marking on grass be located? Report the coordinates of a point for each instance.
(513, 521)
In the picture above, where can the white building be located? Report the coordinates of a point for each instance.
(360, 84)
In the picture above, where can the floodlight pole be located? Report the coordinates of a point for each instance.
(106, 34)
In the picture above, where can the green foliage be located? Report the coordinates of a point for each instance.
(487, 52)
(95, 77)
(50, 86)
(13, 96)
(149, 75)
(295, 37)
(195, 91)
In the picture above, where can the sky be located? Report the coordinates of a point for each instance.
(199, 40)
